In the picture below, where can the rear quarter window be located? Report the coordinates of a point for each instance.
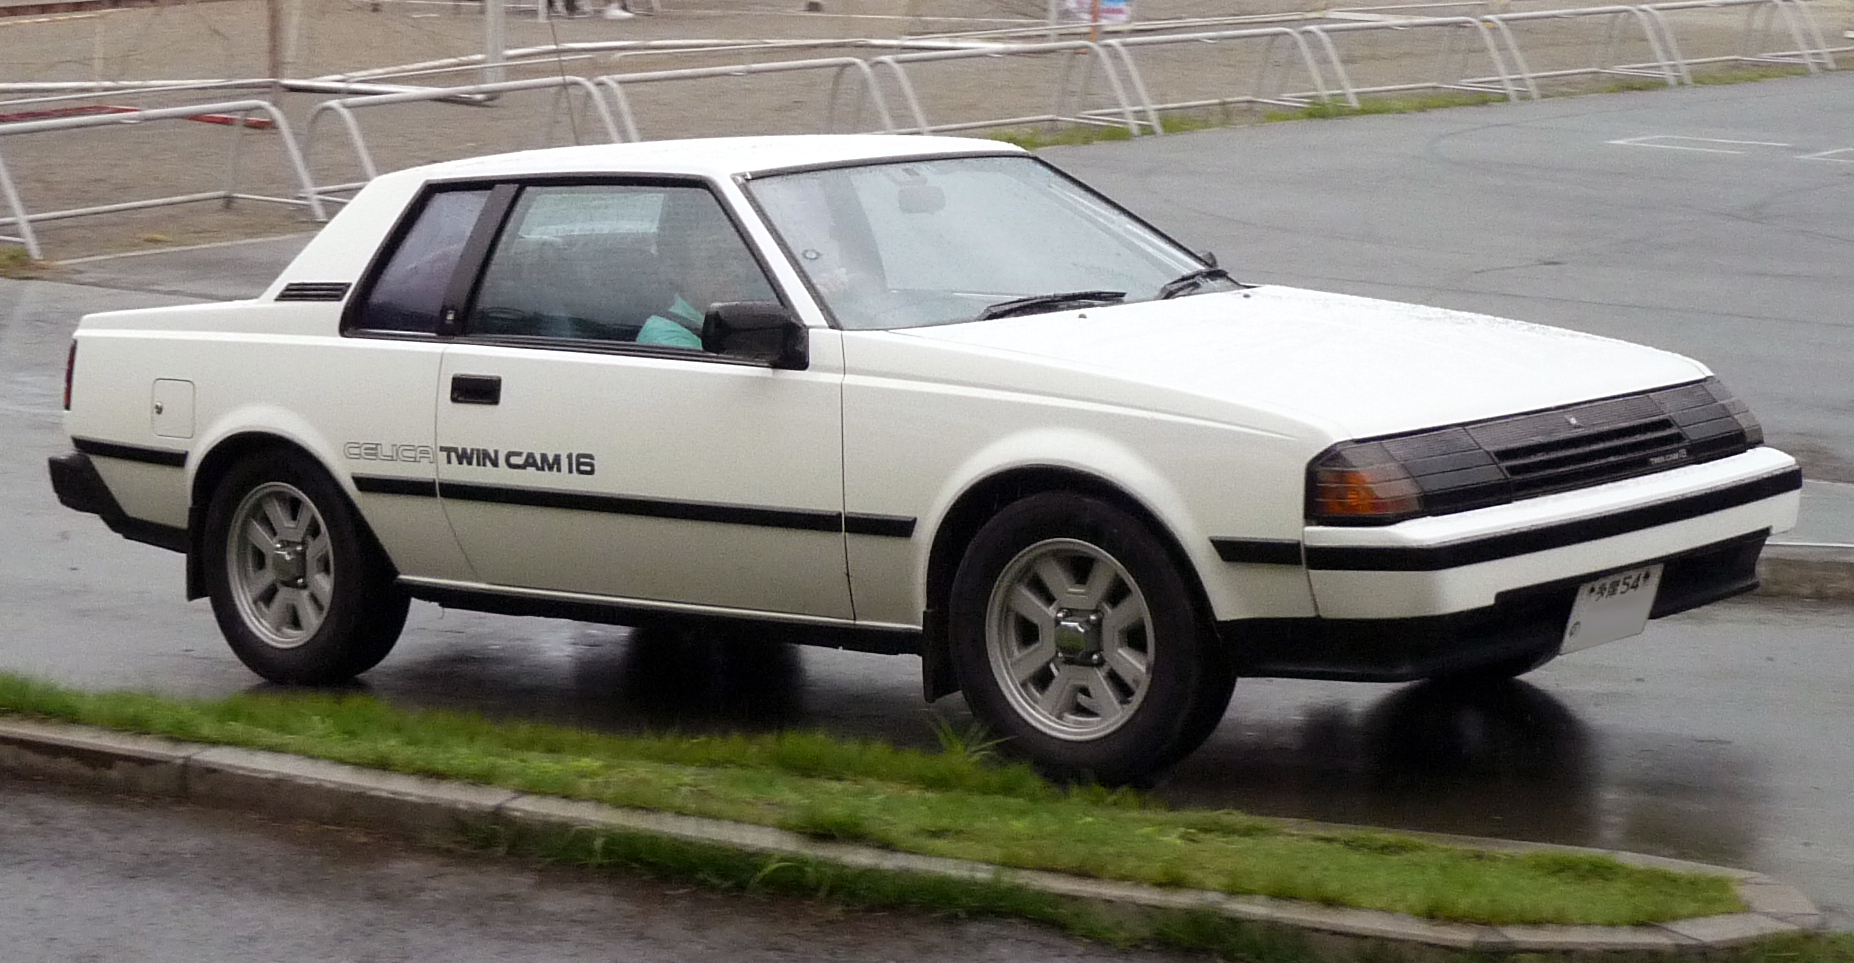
(408, 292)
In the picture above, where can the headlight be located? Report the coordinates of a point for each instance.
(1386, 480)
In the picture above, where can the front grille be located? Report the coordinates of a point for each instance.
(1502, 459)
(1582, 445)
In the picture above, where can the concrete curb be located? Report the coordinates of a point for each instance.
(1810, 572)
(436, 811)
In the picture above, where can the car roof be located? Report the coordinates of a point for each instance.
(715, 157)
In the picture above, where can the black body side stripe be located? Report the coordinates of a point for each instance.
(1257, 551)
(647, 507)
(384, 485)
(1396, 559)
(149, 456)
(886, 526)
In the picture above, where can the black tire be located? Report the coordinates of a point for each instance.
(1114, 687)
(320, 605)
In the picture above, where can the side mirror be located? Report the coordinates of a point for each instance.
(1208, 257)
(762, 331)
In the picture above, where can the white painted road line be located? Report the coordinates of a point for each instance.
(1656, 140)
(1829, 155)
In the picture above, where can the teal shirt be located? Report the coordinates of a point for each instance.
(674, 333)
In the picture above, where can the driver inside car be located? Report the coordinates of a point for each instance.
(704, 257)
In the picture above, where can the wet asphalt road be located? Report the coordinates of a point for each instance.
(1716, 736)
(98, 879)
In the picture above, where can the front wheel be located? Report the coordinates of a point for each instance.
(300, 590)
(1076, 639)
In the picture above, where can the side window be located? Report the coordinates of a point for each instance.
(409, 291)
(614, 263)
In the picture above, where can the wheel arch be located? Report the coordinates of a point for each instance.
(977, 505)
(212, 468)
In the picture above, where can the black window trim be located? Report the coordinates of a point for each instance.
(469, 271)
(474, 276)
(460, 293)
(362, 292)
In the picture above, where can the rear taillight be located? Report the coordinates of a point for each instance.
(70, 368)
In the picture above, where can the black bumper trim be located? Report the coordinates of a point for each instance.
(1437, 558)
(79, 486)
(1257, 551)
(1521, 622)
(148, 456)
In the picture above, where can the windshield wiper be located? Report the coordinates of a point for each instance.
(1191, 281)
(1049, 302)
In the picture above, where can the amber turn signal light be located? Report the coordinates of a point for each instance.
(1350, 492)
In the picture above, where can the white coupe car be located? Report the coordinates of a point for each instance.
(907, 395)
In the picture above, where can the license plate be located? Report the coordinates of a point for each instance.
(1612, 607)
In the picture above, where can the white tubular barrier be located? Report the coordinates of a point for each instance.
(618, 49)
(1813, 30)
(837, 67)
(1809, 50)
(473, 94)
(1665, 66)
(1446, 78)
(239, 110)
(1259, 92)
(1070, 92)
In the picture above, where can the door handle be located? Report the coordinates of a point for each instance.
(469, 389)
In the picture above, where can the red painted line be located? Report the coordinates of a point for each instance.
(91, 110)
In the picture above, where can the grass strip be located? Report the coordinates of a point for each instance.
(16, 263)
(721, 868)
(941, 804)
(1203, 931)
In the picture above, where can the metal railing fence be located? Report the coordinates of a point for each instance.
(869, 93)
(1265, 88)
(239, 110)
(860, 91)
(1810, 49)
(1604, 57)
(1450, 64)
(343, 108)
(1071, 89)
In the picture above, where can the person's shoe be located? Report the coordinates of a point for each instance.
(616, 12)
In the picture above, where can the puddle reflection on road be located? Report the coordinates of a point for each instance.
(1453, 758)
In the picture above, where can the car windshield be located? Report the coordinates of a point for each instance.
(921, 242)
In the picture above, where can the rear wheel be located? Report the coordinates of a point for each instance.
(1076, 639)
(300, 590)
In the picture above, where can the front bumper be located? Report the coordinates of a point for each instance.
(1451, 564)
(1525, 624)
(1495, 586)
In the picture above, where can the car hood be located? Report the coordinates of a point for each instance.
(1355, 367)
